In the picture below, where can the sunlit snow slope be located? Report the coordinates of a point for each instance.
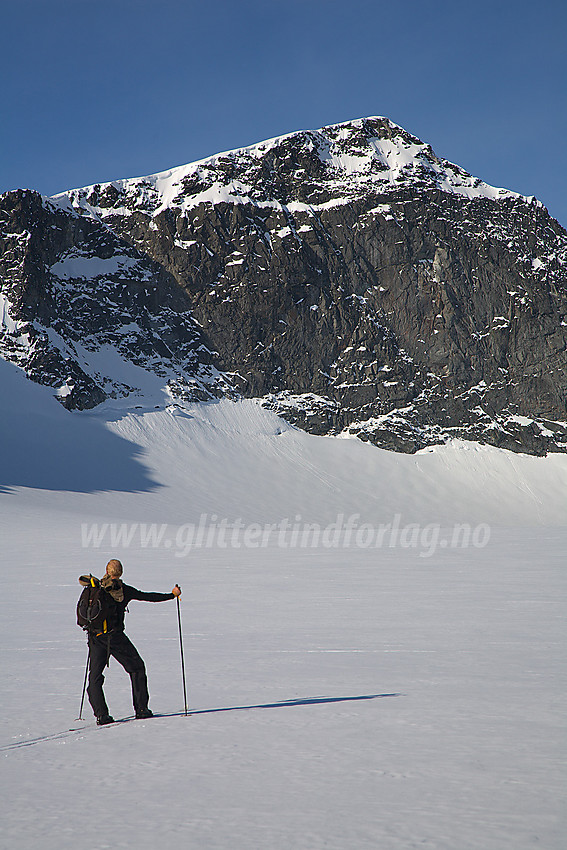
(168, 462)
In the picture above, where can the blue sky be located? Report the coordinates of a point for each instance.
(94, 90)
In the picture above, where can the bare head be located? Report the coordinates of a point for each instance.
(114, 568)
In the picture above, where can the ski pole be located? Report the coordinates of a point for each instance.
(181, 648)
(80, 717)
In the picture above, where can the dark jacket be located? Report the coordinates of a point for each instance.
(122, 595)
(131, 593)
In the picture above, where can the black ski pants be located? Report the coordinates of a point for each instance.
(128, 656)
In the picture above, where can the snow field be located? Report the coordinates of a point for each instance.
(456, 744)
(342, 697)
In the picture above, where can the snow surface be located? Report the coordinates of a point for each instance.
(6, 320)
(88, 267)
(340, 696)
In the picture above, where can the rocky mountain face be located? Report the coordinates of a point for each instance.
(348, 278)
(84, 312)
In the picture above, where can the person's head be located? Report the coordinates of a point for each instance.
(114, 568)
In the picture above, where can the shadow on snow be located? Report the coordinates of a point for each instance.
(191, 712)
(283, 704)
(45, 447)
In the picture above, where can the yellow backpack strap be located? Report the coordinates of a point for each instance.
(105, 624)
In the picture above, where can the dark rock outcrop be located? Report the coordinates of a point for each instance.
(87, 314)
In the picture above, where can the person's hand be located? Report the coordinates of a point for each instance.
(176, 590)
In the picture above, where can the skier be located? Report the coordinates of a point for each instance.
(117, 644)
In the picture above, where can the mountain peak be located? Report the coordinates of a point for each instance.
(348, 278)
(306, 169)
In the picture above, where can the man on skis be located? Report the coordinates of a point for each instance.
(113, 642)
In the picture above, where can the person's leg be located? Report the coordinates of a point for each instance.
(128, 656)
(97, 653)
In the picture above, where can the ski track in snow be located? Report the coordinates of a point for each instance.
(338, 697)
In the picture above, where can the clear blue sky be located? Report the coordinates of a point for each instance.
(94, 90)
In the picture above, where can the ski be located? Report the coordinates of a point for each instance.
(127, 719)
(84, 727)
(96, 726)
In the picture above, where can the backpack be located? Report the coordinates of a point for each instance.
(96, 609)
